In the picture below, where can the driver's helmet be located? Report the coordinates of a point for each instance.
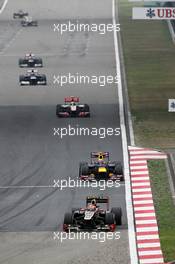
(73, 103)
(92, 205)
(100, 156)
(93, 202)
(33, 71)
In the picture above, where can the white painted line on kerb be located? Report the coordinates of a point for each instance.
(142, 196)
(139, 173)
(144, 214)
(138, 167)
(144, 152)
(147, 245)
(139, 178)
(139, 222)
(3, 6)
(129, 206)
(143, 202)
(138, 162)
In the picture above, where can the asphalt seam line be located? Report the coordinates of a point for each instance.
(8, 45)
(128, 199)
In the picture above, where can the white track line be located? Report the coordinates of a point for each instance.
(26, 186)
(129, 207)
(3, 6)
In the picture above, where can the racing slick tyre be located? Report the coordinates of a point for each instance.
(86, 109)
(68, 220)
(21, 77)
(45, 80)
(117, 214)
(109, 219)
(23, 24)
(83, 169)
(20, 62)
(40, 61)
(119, 169)
(35, 23)
(59, 109)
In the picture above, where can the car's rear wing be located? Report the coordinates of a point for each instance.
(98, 199)
(71, 99)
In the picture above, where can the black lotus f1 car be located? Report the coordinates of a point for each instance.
(92, 217)
(20, 14)
(100, 167)
(32, 77)
(30, 60)
(29, 22)
(72, 108)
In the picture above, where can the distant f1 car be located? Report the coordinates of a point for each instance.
(32, 77)
(29, 22)
(100, 167)
(30, 60)
(72, 108)
(20, 14)
(92, 217)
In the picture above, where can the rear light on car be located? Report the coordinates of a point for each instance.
(64, 113)
(112, 227)
(82, 114)
(65, 227)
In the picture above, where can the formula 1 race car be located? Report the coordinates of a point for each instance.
(32, 77)
(100, 167)
(30, 60)
(29, 22)
(92, 217)
(72, 108)
(20, 14)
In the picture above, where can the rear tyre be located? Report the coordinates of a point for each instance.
(86, 109)
(83, 168)
(40, 61)
(20, 62)
(117, 212)
(119, 169)
(21, 79)
(45, 80)
(59, 109)
(109, 219)
(68, 220)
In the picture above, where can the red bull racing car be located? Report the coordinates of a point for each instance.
(100, 167)
(93, 217)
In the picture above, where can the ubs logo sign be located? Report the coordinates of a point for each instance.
(151, 13)
(162, 13)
